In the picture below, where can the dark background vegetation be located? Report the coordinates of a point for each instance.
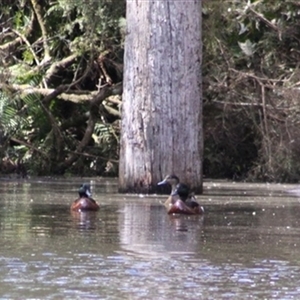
(61, 67)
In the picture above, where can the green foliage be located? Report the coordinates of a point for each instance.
(34, 44)
(251, 76)
(106, 139)
(8, 120)
(90, 24)
(28, 57)
(18, 19)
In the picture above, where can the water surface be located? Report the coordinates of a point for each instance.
(247, 245)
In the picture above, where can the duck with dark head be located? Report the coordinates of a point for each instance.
(85, 202)
(181, 200)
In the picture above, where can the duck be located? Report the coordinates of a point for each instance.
(85, 202)
(181, 200)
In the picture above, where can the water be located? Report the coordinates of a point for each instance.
(247, 246)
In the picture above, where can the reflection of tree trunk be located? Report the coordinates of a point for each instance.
(146, 229)
(162, 99)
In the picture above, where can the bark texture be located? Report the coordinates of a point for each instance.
(162, 95)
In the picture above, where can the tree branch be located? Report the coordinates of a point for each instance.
(29, 146)
(94, 104)
(60, 64)
(37, 10)
(72, 95)
(10, 45)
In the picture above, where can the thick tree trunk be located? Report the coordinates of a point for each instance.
(162, 96)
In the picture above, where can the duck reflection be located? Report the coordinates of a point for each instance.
(85, 221)
(46, 219)
(186, 223)
(147, 229)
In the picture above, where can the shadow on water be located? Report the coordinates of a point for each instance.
(245, 246)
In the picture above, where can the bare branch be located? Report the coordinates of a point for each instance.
(18, 40)
(103, 94)
(263, 19)
(25, 40)
(29, 146)
(37, 10)
(59, 92)
(60, 64)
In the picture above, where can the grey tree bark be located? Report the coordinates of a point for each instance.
(162, 95)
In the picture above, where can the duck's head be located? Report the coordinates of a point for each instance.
(182, 190)
(172, 179)
(85, 190)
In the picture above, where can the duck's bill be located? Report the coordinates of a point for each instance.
(88, 193)
(161, 182)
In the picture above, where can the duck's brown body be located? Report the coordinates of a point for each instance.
(85, 202)
(181, 201)
(175, 205)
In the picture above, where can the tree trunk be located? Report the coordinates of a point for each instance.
(162, 96)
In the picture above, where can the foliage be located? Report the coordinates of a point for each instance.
(72, 50)
(251, 76)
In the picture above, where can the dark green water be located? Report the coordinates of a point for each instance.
(247, 246)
